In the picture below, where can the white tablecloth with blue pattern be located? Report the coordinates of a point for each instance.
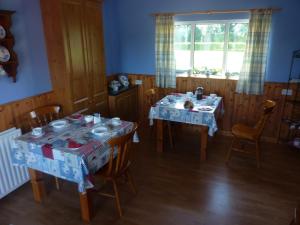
(171, 108)
(52, 154)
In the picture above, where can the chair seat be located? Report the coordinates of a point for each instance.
(103, 171)
(245, 132)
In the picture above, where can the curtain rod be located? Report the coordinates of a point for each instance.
(214, 11)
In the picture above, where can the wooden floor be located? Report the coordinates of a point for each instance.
(175, 188)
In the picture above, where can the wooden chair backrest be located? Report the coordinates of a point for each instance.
(42, 116)
(117, 165)
(269, 106)
(151, 96)
(296, 219)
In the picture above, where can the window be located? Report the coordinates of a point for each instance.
(211, 48)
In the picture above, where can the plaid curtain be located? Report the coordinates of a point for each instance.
(164, 52)
(251, 80)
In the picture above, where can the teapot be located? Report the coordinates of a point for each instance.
(199, 93)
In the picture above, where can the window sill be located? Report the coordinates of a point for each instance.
(219, 77)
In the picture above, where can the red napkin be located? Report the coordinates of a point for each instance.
(176, 94)
(76, 116)
(47, 151)
(73, 144)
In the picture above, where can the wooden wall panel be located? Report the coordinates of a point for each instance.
(239, 108)
(10, 114)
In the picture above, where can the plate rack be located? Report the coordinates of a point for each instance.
(8, 42)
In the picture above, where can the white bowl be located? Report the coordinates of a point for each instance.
(99, 131)
(88, 118)
(59, 124)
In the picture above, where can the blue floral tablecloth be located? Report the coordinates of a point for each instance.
(171, 108)
(72, 153)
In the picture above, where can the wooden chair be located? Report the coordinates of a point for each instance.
(242, 132)
(151, 99)
(118, 166)
(40, 117)
(296, 219)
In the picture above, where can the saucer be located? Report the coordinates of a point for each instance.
(37, 135)
(205, 108)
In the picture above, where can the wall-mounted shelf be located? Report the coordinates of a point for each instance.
(290, 126)
(8, 42)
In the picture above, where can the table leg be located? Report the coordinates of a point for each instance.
(86, 206)
(159, 135)
(38, 186)
(204, 135)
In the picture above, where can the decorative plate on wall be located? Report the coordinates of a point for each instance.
(4, 54)
(2, 32)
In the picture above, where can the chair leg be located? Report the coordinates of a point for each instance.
(117, 198)
(131, 182)
(257, 154)
(170, 135)
(57, 183)
(228, 156)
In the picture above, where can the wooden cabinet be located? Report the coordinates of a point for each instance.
(125, 104)
(74, 37)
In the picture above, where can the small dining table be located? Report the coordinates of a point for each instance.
(73, 153)
(204, 113)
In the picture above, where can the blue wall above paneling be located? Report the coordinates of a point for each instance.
(136, 31)
(111, 38)
(129, 38)
(33, 74)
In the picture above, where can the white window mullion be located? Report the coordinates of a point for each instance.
(226, 39)
(192, 47)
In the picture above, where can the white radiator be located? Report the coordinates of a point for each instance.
(11, 177)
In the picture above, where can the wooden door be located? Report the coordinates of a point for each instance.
(125, 105)
(95, 55)
(73, 24)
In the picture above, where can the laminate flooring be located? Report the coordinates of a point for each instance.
(176, 188)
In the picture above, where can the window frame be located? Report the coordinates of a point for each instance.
(226, 38)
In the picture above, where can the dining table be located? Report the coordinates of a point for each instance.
(73, 152)
(204, 113)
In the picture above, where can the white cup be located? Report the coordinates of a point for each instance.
(209, 100)
(115, 121)
(37, 131)
(213, 95)
(97, 118)
(189, 93)
(88, 118)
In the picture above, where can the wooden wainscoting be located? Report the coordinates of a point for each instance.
(238, 107)
(10, 113)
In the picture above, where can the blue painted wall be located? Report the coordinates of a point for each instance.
(136, 31)
(129, 38)
(33, 74)
(111, 37)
